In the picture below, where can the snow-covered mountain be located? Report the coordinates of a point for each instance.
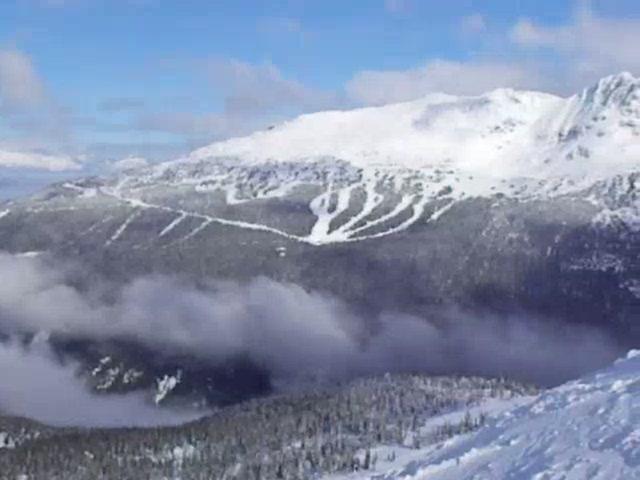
(502, 134)
(379, 170)
(382, 169)
(588, 428)
(511, 203)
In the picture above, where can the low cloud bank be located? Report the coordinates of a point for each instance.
(36, 385)
(294, 334)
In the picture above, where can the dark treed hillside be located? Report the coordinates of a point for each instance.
(294, 436)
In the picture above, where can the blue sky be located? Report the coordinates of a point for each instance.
(88, 82)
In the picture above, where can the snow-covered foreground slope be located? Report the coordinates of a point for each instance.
(588, 428)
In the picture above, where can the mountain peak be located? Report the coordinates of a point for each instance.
(623, 77)
(614, 90)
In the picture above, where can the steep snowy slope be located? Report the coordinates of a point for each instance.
(589, 428)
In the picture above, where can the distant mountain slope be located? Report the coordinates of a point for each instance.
(588, 428)
(501, 185)
(295, 436)
(509, 203)
(376, 171)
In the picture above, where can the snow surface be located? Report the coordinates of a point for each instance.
(165, 386)
(588, 428)
(504, 133)
(6, 441)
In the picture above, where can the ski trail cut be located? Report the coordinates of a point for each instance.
(121, 229)
(173, 224)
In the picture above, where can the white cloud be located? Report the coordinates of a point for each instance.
(250, 88)
(33, 374)
(473, 24)
(590, 45)
(291, 332)
(561, 59)
(17, 159)
(254, 96)
(527, 55)
(462, 78)
(34, 125)
(20, 85)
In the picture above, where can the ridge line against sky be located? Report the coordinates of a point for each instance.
(86, 82)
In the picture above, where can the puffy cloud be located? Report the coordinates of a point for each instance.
(291, 332)
(590, 45)
(560, 59)
(36, 385)
(34, 125)
(529, 55)
(20, 85)
(463, 78)
(22, 159)
(250, 88)
(254, 96)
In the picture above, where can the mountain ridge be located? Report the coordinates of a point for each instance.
(427, 131)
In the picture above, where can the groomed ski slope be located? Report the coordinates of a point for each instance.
(585, 429)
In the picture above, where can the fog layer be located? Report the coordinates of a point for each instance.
(294, 334)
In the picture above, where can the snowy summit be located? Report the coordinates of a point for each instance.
(504, 132)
